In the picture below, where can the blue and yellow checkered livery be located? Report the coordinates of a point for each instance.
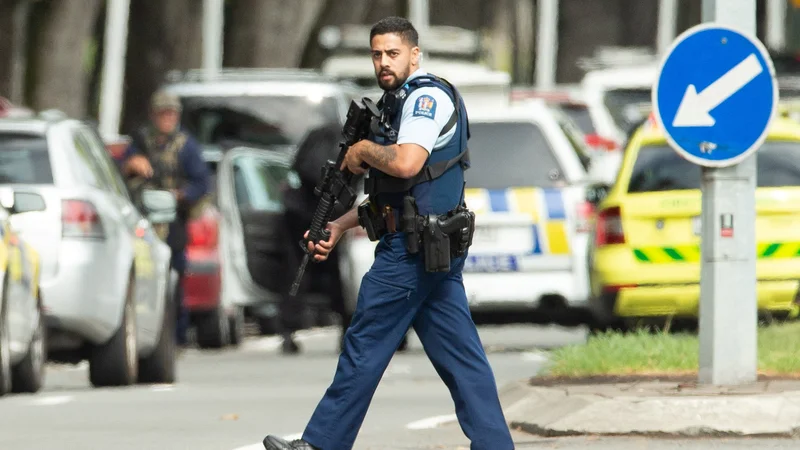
(544, 206)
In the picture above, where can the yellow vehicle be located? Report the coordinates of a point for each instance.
(22, 325)
(644, 256)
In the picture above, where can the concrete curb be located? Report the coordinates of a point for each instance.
(556, 411)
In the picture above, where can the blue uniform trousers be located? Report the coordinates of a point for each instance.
(396, 294)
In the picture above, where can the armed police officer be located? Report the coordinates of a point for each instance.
(415, 182)
(163, 156)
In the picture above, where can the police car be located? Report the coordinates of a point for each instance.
(526, 186)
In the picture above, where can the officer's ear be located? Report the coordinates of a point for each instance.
(415, 53)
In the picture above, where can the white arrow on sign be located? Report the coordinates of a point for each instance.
(694, 108)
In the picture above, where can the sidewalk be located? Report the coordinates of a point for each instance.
(654, 408)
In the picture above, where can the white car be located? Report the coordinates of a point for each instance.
(618, 98)
(526, 186)
(106, 281)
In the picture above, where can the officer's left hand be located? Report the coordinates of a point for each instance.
(352, 159)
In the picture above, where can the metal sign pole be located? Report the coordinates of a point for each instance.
(213, 30)
(116, 45)
(728, 308)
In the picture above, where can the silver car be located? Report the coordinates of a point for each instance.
(106, 280)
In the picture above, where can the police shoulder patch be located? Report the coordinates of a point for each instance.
(425, 106)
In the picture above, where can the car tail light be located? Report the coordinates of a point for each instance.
(203, 232)
(609, 227)
(583, 217)
(79, 219)
(599, 142)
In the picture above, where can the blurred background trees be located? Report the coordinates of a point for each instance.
(51, 50)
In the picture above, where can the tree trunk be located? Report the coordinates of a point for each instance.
(7, 39)
(163, 36)
(639, 23)
(584, 26)
(456, 13)
(335, 13)
(524, 41)
(385, 8)
(60, 78)
(269, 33)
(500, 44)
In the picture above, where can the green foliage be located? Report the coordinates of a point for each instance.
(646, 352)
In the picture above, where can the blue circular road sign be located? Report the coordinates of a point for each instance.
(715, 95)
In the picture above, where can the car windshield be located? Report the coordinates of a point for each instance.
(511, 154)
(660, 168)
(24, 159)
(265, 121)
(257, 183)
(628, 106)
(580, 115)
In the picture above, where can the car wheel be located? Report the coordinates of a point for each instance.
(28, 375)
(5, 348)
(159, 366)
(237, 326)
(116, 363)
(213, 329)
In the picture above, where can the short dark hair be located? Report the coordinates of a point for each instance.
(399, 25)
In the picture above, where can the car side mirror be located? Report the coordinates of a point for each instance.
(161, 206)
(18, 202)
(596, 193)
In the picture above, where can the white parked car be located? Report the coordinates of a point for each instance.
(526, 186)
(105, 276)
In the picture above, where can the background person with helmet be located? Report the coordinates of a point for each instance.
(163, 156)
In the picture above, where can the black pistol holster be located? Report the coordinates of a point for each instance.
(370, 219)
(442, 237)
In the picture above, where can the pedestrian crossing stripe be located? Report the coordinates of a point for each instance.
(545, 207)
(691, 253)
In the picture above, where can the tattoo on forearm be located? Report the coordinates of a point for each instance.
(381, 156)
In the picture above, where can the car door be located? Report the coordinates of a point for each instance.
(250, 201)
(140, 229)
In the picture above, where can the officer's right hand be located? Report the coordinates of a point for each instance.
(139, 165)
(324, 248)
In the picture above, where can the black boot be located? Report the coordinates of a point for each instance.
(289, 347)
(403, 344)
(276, 443)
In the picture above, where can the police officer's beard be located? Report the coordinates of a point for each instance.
(396, 81)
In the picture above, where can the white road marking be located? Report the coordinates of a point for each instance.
(398, 369)
(52, 400)
(260, 446)
(539, 357)
(162, 388)
(431, 422)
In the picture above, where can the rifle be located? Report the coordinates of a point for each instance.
(335, 187)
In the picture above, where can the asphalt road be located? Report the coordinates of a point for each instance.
(228, 400)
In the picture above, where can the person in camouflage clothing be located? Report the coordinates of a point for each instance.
(163, 156)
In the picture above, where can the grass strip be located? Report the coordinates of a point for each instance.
(643, 352)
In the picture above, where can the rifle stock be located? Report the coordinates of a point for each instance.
(336, 186)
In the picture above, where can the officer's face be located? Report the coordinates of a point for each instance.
(165, 120)
(394, 60)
